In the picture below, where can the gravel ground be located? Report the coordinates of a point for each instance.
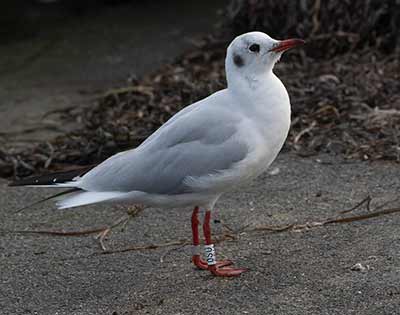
(306, 271)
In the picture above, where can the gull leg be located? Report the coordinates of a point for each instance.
(196, 259)
(213, 267)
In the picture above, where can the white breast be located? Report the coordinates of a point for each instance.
(268, 110)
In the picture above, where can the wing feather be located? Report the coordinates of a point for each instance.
(194, 144)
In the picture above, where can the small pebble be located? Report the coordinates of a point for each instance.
(360, 267)
(274, 171)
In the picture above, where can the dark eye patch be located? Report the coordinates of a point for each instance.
(254, 48)
(239, 62)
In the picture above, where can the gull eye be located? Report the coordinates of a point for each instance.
(254, 48)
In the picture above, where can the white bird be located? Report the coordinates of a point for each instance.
(203, 151)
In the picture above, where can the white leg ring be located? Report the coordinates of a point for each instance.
(210, 254)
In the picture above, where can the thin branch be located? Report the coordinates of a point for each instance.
(227, 235)
(365, 200)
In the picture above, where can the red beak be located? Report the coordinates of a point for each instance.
(284, 45)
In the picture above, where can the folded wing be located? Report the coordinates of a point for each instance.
(198, 143)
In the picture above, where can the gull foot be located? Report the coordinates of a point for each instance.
(202, 264)
(226, 271)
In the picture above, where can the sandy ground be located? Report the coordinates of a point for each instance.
(292, 272)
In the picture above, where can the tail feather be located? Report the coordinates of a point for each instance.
(68, 179)
(88, 197)
(69, 191)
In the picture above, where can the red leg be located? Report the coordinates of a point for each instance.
(213, 267)
(196, 259)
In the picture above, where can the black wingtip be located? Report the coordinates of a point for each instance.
(52, 178)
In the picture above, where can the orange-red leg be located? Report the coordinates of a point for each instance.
(213, 266)
(196, 258)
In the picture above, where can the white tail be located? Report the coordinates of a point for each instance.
(87, 197)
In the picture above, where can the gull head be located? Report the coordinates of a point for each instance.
(252, 55)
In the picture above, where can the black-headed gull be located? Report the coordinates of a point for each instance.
(203, 151)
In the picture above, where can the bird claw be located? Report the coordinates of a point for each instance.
(220, 269)
(202, 264)
(226, 271)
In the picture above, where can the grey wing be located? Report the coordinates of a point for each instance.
(178, 115)
(196, 144)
